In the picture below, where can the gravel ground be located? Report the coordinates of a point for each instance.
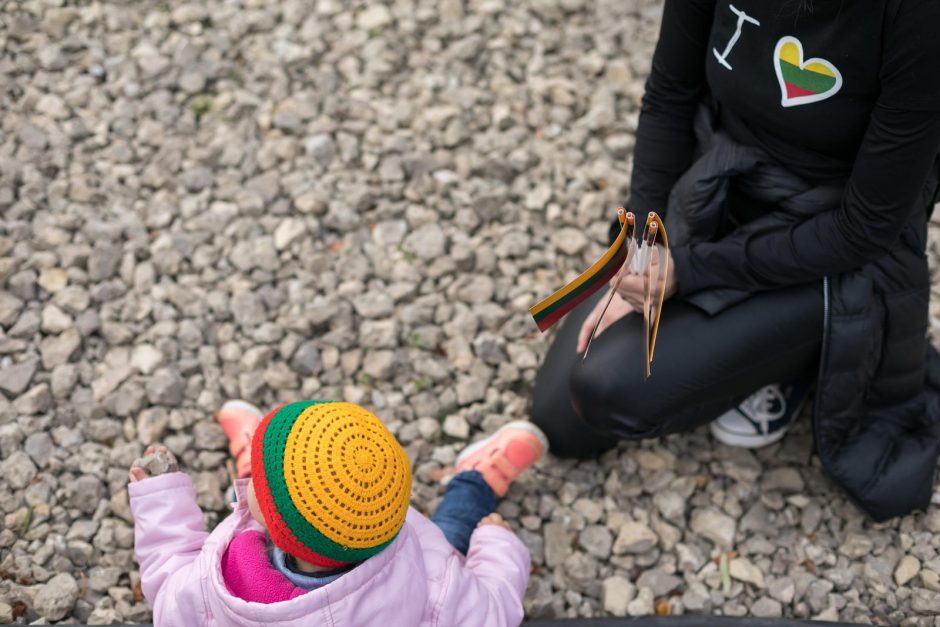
(235, 199)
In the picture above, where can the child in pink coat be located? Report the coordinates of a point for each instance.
(322, 532)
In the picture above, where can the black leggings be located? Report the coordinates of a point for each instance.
(703, 366)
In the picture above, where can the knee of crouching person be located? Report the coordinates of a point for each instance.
(610, 405)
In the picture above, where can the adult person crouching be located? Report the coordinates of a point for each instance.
(793, 147)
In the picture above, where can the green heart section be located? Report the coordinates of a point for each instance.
(806, 79)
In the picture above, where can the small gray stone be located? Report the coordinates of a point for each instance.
(690, 557)
(85, 493)
(489, 349)
(766, 608)
(36, 401)
(642, 605)
(470, 390)
(557, 544)
(15, 378)
(715, 526)
(165, 387)
(188, 13)
(475, 288)
(151, 425)
(51, 58)
(596, 540)
(64, 377)
(18, 470)
(744, 570)
(581, 568)
(59, 349)
(306, 360)
(10, 307)
(670, 504)
(634, 537)
(782, 589)
(208, 435)
(661, 583)
(856, 545)
(321, 148)
(101, 578)
(907, 569)
(427, 242)
(146, 358)
(925, 602)
(696, 598)
(616, 594)
(157, 463)
(379, 334)
(569, 240)
(456, 426)
(288, 232)
(588, 508)
(56, 597)
(786, 480)
(39, 447)
(374, 304)
(375, 16)
(817, 594)
(103, 262)
(380, 365)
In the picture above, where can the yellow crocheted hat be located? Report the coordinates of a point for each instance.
(332, 483)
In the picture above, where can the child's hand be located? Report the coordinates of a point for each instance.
(494, 519)
(157, 460)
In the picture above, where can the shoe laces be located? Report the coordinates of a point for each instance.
(765, 405)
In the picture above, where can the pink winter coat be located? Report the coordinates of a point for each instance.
(418, 580)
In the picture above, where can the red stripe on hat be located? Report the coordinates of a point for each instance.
(280, 533)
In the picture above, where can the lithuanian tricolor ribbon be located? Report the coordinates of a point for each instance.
(626, 255)
(552, 309)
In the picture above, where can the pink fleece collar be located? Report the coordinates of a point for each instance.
(249, 575)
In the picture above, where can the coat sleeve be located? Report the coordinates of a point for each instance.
(487, 589)
(168, 536)
(664, 137)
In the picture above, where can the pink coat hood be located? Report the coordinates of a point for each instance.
(418, 580)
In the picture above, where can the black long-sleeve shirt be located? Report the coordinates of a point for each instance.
(849, 89)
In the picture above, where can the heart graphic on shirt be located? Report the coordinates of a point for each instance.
(803, 82)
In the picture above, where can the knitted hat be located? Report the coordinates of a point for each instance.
(332, 483)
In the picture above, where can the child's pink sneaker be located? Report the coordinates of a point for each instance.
(503, 456)
(239, 419)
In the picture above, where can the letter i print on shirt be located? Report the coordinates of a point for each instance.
(742, 17)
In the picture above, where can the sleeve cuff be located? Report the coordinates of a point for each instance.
(685, 275)
(152, 485)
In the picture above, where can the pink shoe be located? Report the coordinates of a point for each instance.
(504, 455)
(239, 419)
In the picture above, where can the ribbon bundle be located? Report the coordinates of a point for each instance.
(627, 255)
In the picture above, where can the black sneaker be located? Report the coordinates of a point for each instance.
(763, 417)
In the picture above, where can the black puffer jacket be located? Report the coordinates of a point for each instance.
(877, 430)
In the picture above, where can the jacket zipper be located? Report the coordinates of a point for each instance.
(822, 364)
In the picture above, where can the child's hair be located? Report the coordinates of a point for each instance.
(332, 483)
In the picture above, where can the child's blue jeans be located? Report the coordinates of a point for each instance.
(467, 500)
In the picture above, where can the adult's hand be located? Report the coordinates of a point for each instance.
(617, 310)
(632, 288)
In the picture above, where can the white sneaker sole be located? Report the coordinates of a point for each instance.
(515, 424)
(245, 405)
(745, 441)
